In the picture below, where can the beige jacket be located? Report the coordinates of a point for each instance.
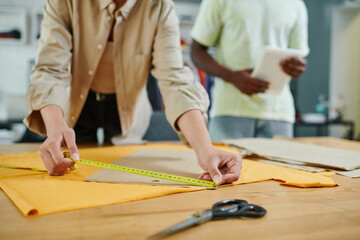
(146, 37)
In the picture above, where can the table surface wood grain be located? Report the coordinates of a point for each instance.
(292, 213)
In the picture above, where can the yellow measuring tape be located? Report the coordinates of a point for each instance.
(165, 176)
(22, 168)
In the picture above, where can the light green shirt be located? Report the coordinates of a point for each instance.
(240, 29)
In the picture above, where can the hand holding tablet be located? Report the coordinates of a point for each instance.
(269, 69)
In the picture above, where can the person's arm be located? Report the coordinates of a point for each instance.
(220, 166)
(47, 95)
(207, 31)
(59, 135)
(241, 79)
(203, 60)
(186, 102)
(298, 39)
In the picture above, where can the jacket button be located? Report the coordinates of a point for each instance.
(119, 19)
(112, 7)
(91, 72)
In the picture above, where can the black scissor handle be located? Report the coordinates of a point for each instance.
(254, 211)
(228, 202)
(237, 208)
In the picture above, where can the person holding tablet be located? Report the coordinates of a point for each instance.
(240, 30)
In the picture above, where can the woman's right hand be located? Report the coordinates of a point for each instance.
(51, 154)
(59, 136)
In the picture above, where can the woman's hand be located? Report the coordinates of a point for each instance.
(59, 136)
(220, 166)
(51, 154)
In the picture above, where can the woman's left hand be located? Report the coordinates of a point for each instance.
(220, 166)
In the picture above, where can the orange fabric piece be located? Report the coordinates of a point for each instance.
(38, 193)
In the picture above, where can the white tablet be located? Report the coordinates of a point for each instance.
(268, 68)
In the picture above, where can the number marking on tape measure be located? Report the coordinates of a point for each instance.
(164, 176)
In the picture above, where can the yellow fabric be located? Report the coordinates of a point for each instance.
(38, 193)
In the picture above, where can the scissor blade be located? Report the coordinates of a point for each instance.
(193, 221)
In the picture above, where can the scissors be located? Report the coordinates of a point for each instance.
(227, 209)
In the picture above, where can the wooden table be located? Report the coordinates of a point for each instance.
(293, 213)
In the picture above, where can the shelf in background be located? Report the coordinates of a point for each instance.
(322, 127)
(13, 25)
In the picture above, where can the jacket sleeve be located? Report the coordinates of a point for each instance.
(208, 26)
(176, 82)
(50, 78)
